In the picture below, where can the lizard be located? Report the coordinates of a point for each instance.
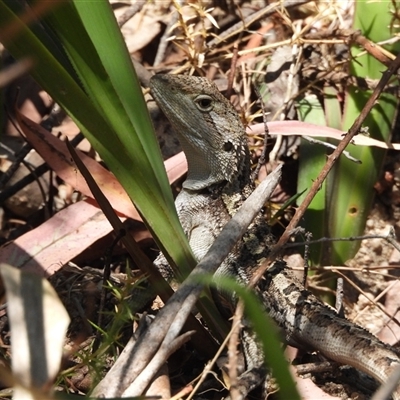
(218, 181)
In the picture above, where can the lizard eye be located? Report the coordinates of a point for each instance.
(228, 146)
(204, 103)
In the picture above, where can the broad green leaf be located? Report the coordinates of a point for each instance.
(352, 192)
(311, 160)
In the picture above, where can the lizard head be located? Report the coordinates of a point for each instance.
(209, 129)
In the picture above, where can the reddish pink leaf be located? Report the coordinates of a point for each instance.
(55, 153)
(176, 167)
(47, 248)
(298, 128)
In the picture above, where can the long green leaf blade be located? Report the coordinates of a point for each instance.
(129, 163)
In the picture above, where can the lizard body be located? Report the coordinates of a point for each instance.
(214, 141)
(309, 324)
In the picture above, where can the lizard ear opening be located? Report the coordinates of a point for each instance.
(228, 146)
(204, 103)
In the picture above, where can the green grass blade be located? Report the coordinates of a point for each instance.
(106, 38)
(129, 149)
(99, 110)
(45, 36)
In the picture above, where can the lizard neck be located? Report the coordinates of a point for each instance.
(206, 171)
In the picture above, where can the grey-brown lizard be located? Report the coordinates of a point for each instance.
(214, 141)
